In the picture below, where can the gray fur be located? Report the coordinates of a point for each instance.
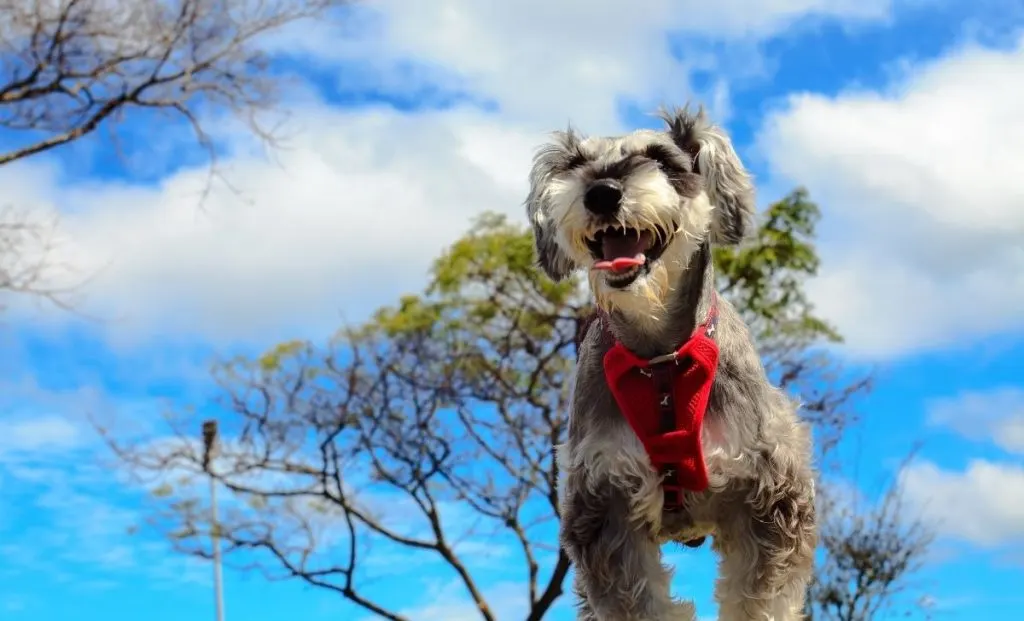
(760, 504)
(548, 162)
(729, 184)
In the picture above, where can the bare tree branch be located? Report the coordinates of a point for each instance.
(71, 65)
(871, 552)
(28, 243)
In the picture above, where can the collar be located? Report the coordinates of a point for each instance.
(664, 400)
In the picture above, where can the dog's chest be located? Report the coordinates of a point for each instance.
(695, 519)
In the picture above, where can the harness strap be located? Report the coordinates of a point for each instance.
(664, 431)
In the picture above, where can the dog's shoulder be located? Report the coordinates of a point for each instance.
(733, 335)
(583, 329)
(592, 341)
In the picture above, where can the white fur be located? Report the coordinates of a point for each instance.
(649, 201)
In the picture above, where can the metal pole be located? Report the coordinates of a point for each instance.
(209, 452)
(218, 584)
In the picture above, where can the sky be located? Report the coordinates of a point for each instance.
(903, 118)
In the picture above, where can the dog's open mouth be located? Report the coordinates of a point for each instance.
(623, 253)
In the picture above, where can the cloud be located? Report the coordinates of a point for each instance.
(983, 505)
(539, 60)
(920, 184)
(996, 415)
(363, 198)
(449, 601)
(72, 516)
(72, 520)
(351, 217)
(44, 433)
(38, 425)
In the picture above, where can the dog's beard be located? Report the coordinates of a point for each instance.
(648, 287)
(642, 289)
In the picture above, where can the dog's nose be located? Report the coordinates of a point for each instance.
(603, 196)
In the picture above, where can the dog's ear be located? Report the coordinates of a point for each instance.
(550, 256)
(727, 182)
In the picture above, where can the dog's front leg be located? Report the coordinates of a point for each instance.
(609, 526)
(583, 610)
(768, 550)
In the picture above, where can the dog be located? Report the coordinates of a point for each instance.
(675, 432)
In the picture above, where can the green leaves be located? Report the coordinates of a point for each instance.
(164, 490)
(412, 314)
(273, 359)
(765, 277)
(486, 298)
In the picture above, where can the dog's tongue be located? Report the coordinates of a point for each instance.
(622, 251)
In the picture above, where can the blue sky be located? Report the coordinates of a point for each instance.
(904, 118)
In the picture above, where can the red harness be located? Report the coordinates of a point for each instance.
(664, 400)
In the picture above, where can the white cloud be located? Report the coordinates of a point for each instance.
(47, 433)
(921, 185)
(541, 60)
(72, 513)
(72, 517)
(996, 415)
(351, 217)
(450, 602)
(983, 505)
(39, 424)
(362, 200)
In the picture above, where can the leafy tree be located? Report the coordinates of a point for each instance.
(431, 428)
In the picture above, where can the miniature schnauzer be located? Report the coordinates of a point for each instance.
(675, 432)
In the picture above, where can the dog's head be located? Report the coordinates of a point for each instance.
(633, 209)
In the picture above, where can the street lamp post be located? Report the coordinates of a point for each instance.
(209, 453)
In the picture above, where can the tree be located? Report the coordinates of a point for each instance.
(764, 279)
(869, 554)
(436, 421)
(71, 67)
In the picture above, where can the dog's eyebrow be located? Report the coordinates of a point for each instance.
(561, 155)
(576, 159)
(663, 156)
(621, 168)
